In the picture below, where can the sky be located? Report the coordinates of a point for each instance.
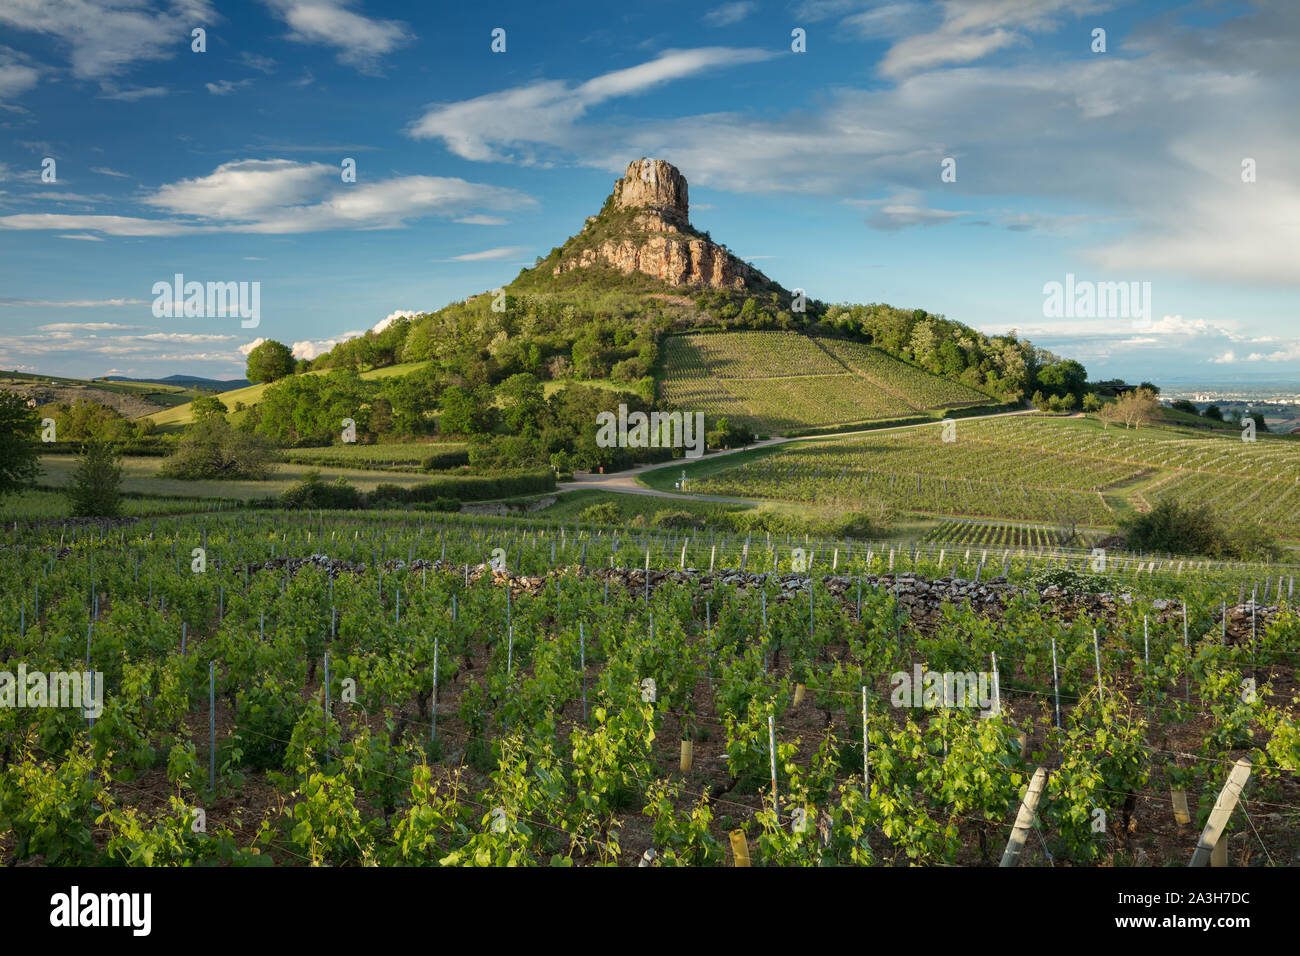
(959, 157)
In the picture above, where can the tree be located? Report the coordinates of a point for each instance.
(1134, 409)
(1153, 389)
(1091, 403)
(524, 401)
(213, 449)
(96, 487)
(269, 361)
(207, 406)
(462, 413)
(1183, 405)
(1063, 378)
(1213, 412)
(19, 464)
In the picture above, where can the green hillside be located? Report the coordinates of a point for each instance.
(1026, 468)
(783, 381)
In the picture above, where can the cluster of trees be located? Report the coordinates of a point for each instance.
(304, 410)
(1179, 527)
(1002, 365)
(1131, 409)
(85, 420)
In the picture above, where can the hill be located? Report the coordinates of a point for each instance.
(605, 304)
(131, 398)
(187, 381)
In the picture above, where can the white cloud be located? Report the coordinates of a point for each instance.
(77, 304)
(972, 29)
(308, 349)
(482, 221)
(280, 196)
(226, 87)
(16, 77)
(188, 338)
(362, 42)
(104, 171)
(263, 64)
(488, 255)
(729, 13)
(105, 37)
(110, 91)
(85, 237)
(546, 111)
(249, 346)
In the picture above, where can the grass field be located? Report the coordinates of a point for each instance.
(140, 476)
(38, 504)
(785, 381)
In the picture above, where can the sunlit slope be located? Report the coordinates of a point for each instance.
(784, 381)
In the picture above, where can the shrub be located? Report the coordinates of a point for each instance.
(96, 488)
(1178, 528)
(213, 449)
(604, 513)
(442, 460)
(312, 492)
(677, 520)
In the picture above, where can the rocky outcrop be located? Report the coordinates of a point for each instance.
(655, 186)
(657, 239)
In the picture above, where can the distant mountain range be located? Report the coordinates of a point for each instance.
(187, 381)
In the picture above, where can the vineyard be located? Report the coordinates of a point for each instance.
(775, 381)
(393, 456)
(985, 534)
(328, 689)
(1028, 468)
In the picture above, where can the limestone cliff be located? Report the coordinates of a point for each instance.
(645, 227)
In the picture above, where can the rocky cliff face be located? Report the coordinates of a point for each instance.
(645, 227)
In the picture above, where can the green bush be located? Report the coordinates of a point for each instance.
(442, 460)
(312, 492)
(604, 513)
(96, 487)
(677, 520)
(1175, 527)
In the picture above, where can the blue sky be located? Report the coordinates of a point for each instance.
(822, 167)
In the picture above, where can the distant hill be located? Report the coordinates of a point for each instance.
(186, 381)
(131, 398)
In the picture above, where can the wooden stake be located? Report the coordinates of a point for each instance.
(1212, 835)
(1024, 819)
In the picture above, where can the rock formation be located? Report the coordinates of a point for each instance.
(645, 227)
